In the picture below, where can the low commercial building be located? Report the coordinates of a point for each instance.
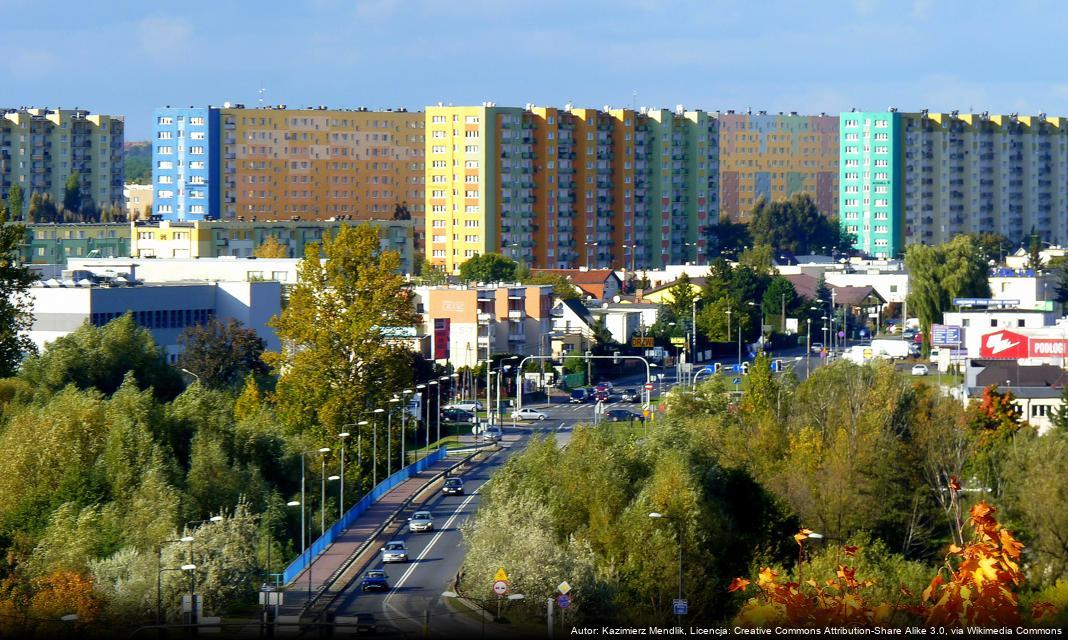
(1036, 388)
(51, 243)
(598, 284)
(466, 324)
(224, 269)
(62, 306)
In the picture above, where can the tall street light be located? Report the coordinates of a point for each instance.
(192, 374)
(299, 503)
(389, 436)
(437, 410)
(340, 511)
(159, 586)
(678, 536)
(760, 305)
(322, 500)
(159, 576)
(441, 381)
(374, 447)
(344, 435)
(693, 326)
(189, 525)
(404, 428)
(424, 402)
(588, 245)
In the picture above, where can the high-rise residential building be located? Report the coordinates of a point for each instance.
(567, 188)
(926, 177)
(272, 162)
(41, 148)
(774, 157)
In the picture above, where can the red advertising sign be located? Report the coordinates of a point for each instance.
(441, 338)
(1048, 347)
(1005, 345)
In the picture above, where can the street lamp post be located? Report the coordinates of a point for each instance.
(159, 586)
(693, 326)
(678, 536)
(322, 500)
(437, 418)
(192, 374)
(591, 244)
(425, 412)
(404, 428)
(159, 576)
(389, 436)
(344, 435)
(374, 448)
(437, 410)
(340, 511)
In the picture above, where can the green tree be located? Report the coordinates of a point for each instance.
(14, 202)
(1035, 488)
(1059, 418)
(938, 274)
(562, 286)
(682, 294)
(221, 353)
(72, 192)
(731, 237)
(712, 320)
(992, 246)
(16, 315)
(779, 298)
(338, 356)
(718, 280)
(795, 225)
(488, 267)
(759, 258)
(1034, 252)
(99, 358)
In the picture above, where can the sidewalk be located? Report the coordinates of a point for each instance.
(327, 564)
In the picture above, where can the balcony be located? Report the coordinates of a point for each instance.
(485, 318)
(517, 314)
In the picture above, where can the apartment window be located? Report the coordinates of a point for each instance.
(471, 148)
(196, 208)
(165, 120)
(439, 224)
(882, 137)
(882, 149)
(165, 180)
(470, 238)
(471, 193)
(882, 163)
(165, 151)
(437, 119)
(195, 120)
(438, 238)
(196, 150)
(196, 135)
(471, 224)
(439, 253)
(196, 164)
(437, 149)
(471, 164)
(164, 193)
(438, 134)
(471, 119)
(163, 135)
(882, 124)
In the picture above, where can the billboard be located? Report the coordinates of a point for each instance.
(945, 335)
(441, 338)
(1009, 345)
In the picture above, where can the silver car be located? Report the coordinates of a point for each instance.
(421, 521)
(394, 551)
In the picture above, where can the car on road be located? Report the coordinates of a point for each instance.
(395, 551)
(909, 332)
(919, 370)
(528, 414)
(602, 396)
(421, 522)
(457, 415)
(578, 396)
(603, 386)
(490, 434)
(453, 487)
(623, 415)
(817, 347)
(630, 395)
(466, 405)
(375, 580)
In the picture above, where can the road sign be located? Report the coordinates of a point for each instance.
(500, 587)
(736, 368)
(563, 587)
(736, 381)
(563, 600)
(680, 607)
(945, 335)
(648, 386)
(501, 575)
(678, 341)
(642, 343)
(841, 334)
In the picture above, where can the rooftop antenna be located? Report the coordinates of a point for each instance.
(262, 91)
(634, 100)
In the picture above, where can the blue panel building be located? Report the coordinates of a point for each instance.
(185, 163)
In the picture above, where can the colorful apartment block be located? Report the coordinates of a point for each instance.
(311, 164)
(774, 157)
(237, 238)
(926, 177)
(564, 188)
(41, 148)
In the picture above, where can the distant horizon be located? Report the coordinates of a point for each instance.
(779, 55)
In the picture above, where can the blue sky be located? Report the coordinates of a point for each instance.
(793, 55)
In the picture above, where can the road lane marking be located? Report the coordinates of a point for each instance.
(430, 545)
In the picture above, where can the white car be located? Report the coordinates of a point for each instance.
(467, 405)
(490, 434)
(421, 521)
(528, 414)
(919, 370)
(395, 551)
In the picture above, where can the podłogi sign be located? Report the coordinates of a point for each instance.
(1009, 345)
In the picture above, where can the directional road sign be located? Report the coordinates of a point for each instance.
(680, 607)
(500, 587)
(563, 600)
(708, 369)
(736, 368)
(736, 381)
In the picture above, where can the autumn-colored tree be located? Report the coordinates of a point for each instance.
(271, 248)
(221, 353)
(339, 356)
(994, 423)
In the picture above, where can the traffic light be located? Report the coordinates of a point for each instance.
(717, 367)
(777, 366)
(615, 357)
(745, 368)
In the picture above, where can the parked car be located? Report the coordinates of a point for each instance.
(623, 415)
(817, 347)
(578, 396)
(908, 332)
(457, 415)
(374, 580)
(630, 395)
(919, 369)
(528, 414)
(467, 405)
(421, 522)
(453, 487)
(395, 551)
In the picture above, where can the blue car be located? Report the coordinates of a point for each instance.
(375, 579)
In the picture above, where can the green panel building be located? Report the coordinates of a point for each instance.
(871, 194)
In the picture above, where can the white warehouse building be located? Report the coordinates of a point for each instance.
(165, 309)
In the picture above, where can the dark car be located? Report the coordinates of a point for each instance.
(578, 396)
(453, 487)
(602, 396)
(630, 395)
(457, 415)
(374, 580)
(622, 415)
